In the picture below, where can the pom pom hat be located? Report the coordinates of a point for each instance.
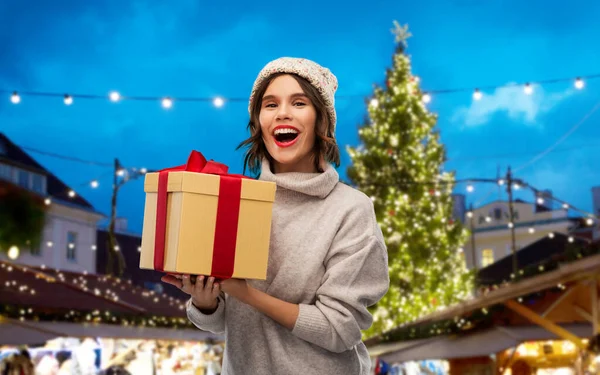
(321, 78)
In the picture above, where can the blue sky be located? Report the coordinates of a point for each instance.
(201, 49)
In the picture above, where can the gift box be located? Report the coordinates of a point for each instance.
(200, 220)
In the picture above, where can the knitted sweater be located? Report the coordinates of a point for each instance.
(328, 255)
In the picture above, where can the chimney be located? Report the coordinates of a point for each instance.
(459, 207)
(544, 201)
(596, 200)
(121, 224)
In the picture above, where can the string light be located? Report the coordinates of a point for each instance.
(114, 96)
(470, 188)
(579, 83)
(94, 184)
(167, 103)
(426, 98)
(218, 102)
(15, 98)
(47, 201)
(477, 94)
(72, 194)
(528, 89)
(68, 99)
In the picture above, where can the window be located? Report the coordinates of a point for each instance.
(498, 213)
(36, 250)
(5, 172)
(37, 183)
(487, 257)
(72, 246)
(23, 180)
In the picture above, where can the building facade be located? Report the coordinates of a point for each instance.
(69, 234)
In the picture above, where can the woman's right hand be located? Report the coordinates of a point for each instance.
(204, 291)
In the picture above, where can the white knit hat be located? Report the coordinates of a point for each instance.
(321, 78)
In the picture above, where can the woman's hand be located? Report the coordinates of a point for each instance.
(204, 291)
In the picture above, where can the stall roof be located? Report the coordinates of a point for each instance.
(483, 343)
(17, 332)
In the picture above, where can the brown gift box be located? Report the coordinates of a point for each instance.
(192, 200)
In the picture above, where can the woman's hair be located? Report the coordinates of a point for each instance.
(325, 146)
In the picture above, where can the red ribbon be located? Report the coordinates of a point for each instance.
(228, 209)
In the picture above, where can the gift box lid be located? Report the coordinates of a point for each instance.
(208, 184)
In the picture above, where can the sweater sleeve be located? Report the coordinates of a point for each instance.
(356, 277)
(214, 322)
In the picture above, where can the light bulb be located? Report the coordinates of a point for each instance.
(469, 214)
(571, 239)
(426, 98)
(531, 230)
(540, 200)
(528, 89)
(488, 219)
(94, 184)
(517, 186)
(218, 102)
(500, 182)
(579, 83)
(49, 244)
(13, 252)
(47, 201)
(15, 98)
(68, 99)
(589, 221)
(510, 225)
(121, 172)
(374, 102)
(143, 171)
(94, 247)
(167, 103)
(551, 235)
(114, 96)
(470, 188)
(477, 94)
(565, 206)
(71, 194)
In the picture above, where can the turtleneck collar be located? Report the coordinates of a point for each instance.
(313, 184)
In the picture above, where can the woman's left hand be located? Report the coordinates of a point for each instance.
(237, 288)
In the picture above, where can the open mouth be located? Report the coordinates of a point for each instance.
(285, 135)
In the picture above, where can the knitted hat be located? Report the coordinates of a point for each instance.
(321, 78)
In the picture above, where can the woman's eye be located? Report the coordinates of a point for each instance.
(270, 105)
(300, 103)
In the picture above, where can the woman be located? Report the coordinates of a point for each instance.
(327, 260)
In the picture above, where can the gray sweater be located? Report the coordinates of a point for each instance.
(328, 255)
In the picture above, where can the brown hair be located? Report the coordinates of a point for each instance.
(325, 144)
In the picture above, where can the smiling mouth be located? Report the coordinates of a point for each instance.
(285, 135)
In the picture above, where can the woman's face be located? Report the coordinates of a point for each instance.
(287, 119)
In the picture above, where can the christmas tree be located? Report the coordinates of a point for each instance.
(400, 166)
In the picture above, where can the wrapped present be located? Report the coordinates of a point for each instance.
(200, 220)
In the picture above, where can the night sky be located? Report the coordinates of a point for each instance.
(191, 48)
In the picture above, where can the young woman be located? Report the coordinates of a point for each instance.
(327, 261)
